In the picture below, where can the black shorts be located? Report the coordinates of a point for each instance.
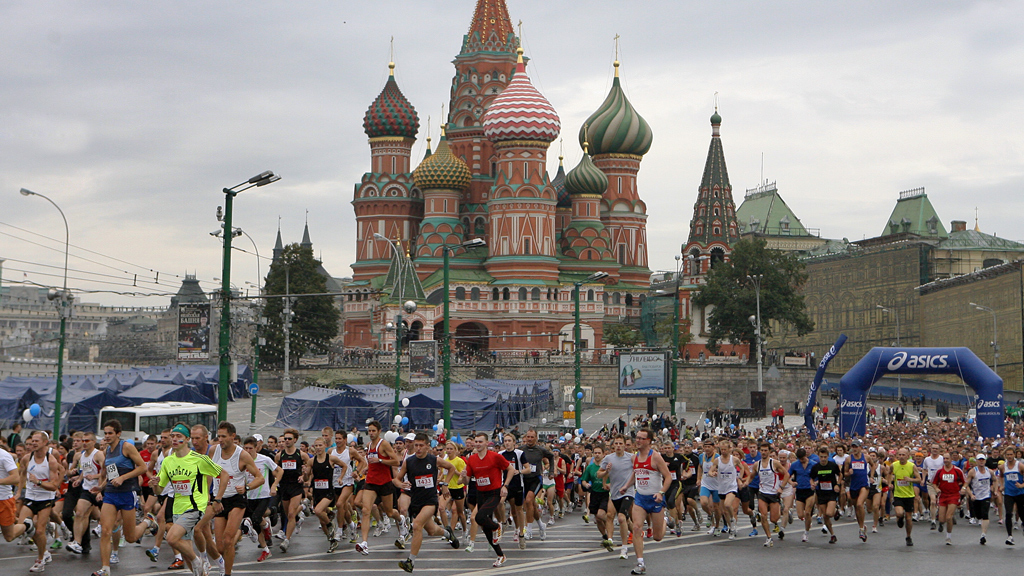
(532, 485)
(415, 507)
(872, 491)
(746, 494)
(826, 496)
(147, 492)
(906, 503)
(90, 497)
(515, 496)
(769, 498)
(288, 491)
(256, 508)
(232, 502)
(471, 497)
(381, 490)
(979, 509)
(598, 501)
(691, 492)
(670, 496)
(37, 506)
(457, 493)
(804, 494)
(318, 495)
(168, 508)
(624, 505)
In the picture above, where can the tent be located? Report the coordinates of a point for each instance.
(153, 392)
(313, 407)
(14, 398)
(80, 409)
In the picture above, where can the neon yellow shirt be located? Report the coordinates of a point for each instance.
(188, 477)
(460, 465)
(903, 474)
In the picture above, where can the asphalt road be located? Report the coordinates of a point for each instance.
(572, 547)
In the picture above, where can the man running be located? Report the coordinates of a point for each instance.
(931, 464)
(516, 495)
(617, 471)
(534, 455)
(598, 492)
(290, 490)
(89, 463)
(10, 479)
(772, 477)
(710, 500)
(40, 483)
(122, 467)
(420, 471)
(652, 480)
(237, 463)
(856, 469)
(259, 499)
(978, 486)
(1012, 472)
(902, 476)
(380, 456)
(187, 471)
(486, 468)
(827, 479)
(800, 475)
(950, 482)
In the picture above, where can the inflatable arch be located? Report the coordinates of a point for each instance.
(987, 385)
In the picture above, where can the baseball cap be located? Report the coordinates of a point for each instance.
(981, 457)
(258, 437)
(410, 436)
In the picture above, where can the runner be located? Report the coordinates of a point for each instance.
(206, 548)
(902, 476)
(454, 509)
(88, 462)
(617, 471)
(598, 501)
(856, 470)
(1012, 473)
(344, 482)
(878, 475)
(122, 467)
(800, 476)
(290, 491)
(534, 455)
(931, 464)
(259, 499)
(827, 479)
(950, 482)
(421, 471)
(239, 465)
(674, 497)
(772, 477)
(187, 472)
(486, 468)
(978, 486)
(709, 497)
(319, 472)
(689, 488)
(40, 483)
(732, 474)
(378, 487)
(652, 478)
(516, 495)
(10, 480)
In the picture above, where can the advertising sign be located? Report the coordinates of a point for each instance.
(193, 332)
(643, 374)
(423, 362)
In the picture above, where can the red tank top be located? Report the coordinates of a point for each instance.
(377, 473)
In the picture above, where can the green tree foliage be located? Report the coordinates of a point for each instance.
(314, 319)
(732, 295)
(622, 336)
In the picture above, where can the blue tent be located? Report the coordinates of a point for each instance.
(80, 409)
(312, 408)
(14, 398)
(153, 392)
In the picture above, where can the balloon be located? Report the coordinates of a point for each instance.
(578, 440)
(130, 441)
(435, 427)
(707, 422)
(664, 430)
(398, 418)
(368, 420)
(27, 415)
(391, 435)
(351, 438)
(732, 426)
(405, 421)
(565, 422)
(405, 402)
(543, 420)
(579, 395)
(34, 409)
(580, 430)
(440, 423)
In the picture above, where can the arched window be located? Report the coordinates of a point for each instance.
(474, 294)
(460, 293)
(522, 294)
(505, 294)
(535, 294)
(590, 295)
(605, 298)
(479, 227)
(494, 294)
(629, 299)
(616, 298)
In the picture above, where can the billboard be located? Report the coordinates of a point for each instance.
(643, 374)
(194, 331)
(423, 362)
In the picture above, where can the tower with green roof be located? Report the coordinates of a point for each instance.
(713, 227)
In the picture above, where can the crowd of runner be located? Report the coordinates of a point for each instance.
(202, 493)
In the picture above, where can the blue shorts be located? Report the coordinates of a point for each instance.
(120, 500)
(704, 492)
(648, 503)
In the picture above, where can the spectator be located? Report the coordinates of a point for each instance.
(15, 437)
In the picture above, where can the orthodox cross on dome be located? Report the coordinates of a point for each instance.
(716, 101)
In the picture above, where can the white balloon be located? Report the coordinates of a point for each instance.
(543, 420)
(27, 415)
(398, 418)
(565, 422)
(391, 436)
(351, 438)
(440, 423)
(405, 402)
(578, 440)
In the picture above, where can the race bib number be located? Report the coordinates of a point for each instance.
(824, 485)
(857, 465)
(321, 484)
(181, 486)
(288, 464)
(903, 483)
(428, 482)
(674, 476)
(112, 472)
(483, 480)
(643, 479)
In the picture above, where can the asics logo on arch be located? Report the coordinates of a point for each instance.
(921, 361)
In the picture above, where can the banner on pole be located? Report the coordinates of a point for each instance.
(194, 331)
(643, 374)
(423, 362)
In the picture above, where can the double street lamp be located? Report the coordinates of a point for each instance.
(755, 320)
(65, 313)
(995, 335)
(446, 346)
(577, 343)
(261, 179)
(899, 378)
(675, 331)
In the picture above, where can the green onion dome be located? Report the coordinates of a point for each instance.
(586, 178)
(616, 127)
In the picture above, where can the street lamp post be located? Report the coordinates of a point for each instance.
(899, 378)
(578, 341)
(399, 328)
(65, 313)
(260, 321)
(675, 335)
(995, 335)
(446, 346)
(261, 179)
(756, 321)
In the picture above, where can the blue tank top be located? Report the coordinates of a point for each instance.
(858, 473)
(124, 465)
(749, 460)
(802, 474)
(1010, 478)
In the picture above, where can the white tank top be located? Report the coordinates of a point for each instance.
(41, 470)
(727, 476)
(345, 457)
(169, 489)
(230, 465)
(706, 481)
(87, 464)
(981, 484)
(769, 478)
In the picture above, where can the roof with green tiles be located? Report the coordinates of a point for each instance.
(765, 212)
(915, 214)
(975, 240)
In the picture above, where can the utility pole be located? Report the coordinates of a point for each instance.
(286, 380)
(756, 321)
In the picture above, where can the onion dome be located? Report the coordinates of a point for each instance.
(442, 170)
(391, 114)
(616, 127)
(558, 182)
(586, 178)
(521, 112)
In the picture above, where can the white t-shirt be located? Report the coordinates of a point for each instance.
(932, 465)
(840, 460)
(266, 466)
(7, 465)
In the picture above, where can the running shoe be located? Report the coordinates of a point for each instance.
(1009, 541)
(753, 533)
(250, 531)
(499, 562)
(623, 553)
(640, 569)
(57, 544)
(285, 544)
(469, 549)
(153, 553)
(782, 534)
(874, 529)
(863, 535)
(47, 558)
(934, 525)
(804, 539)
(452, 539)
(30, 529)
(400, 543)
(910, 541)
(101, 572)
(74, 547)
(768, 542)
(264, 555)
(949, 539)
(522, 542)
(713, 531)
(114, 559)
(608, 545)
(496, 536)
(551, 521)
(899, 521)
(824, 530)
(363, 548)
(543, 532)
(696, 527)
(732, 534)
(942, 527)
(332, 545)
(178, 564)
(406, 565)
(586, 518)
(279, 535)
(833, 539)
(983, 540)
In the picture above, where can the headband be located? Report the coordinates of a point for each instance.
(182, 429)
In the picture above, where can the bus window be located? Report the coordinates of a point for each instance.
(127, 419)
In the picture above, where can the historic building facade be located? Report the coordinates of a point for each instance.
(488, 179)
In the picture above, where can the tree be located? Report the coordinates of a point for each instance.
(621, 335)
(315, 318)
(732, 295)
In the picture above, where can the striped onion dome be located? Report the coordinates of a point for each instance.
(586, 178)
(616, 128)
(521, 112)
(442, 170)
(558, 183)
(391, 114)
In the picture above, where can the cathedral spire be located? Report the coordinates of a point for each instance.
(306, 242)
(490, 30)
(713, 227)
(279, 245)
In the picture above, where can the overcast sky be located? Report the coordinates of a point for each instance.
(133, 116)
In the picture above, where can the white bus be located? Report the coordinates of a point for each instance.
(138, 422)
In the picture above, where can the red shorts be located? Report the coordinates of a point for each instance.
(560, 485)
(949, 499)
(8, 511)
